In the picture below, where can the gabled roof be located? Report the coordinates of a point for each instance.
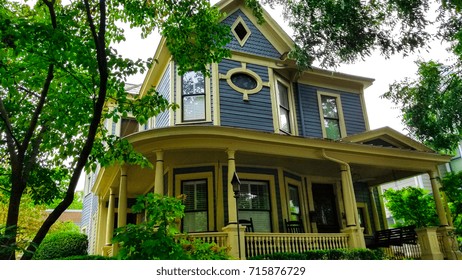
(273, 32)
(278, 37)
(387, 137)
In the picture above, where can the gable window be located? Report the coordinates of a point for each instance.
(333, 126)
(196, 206)
(193, 96)
(240, 31)
(254, 202)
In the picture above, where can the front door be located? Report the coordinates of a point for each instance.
(325, 208)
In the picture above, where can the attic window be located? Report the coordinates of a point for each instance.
(240, 31)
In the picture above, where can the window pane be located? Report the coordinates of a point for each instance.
(254, 203)
(196, 206)
(332, 129)
(195, 221)
(329, 107)
(128, 126)
(193, 107)
(284, 120)
(193, 83)
(283, 95)
(294, 203)
(244, 81)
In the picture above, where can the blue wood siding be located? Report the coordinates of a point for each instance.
(309, 122)
(256, 43)
(353, 113)
(163, 119)
(309, 114)
(256, 113)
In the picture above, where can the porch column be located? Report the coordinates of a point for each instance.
(356, 239)
(348, 196)
(375, 212)
(122, 209)
(110, 217)
(159, 179)
(232, 211)
(437, 197)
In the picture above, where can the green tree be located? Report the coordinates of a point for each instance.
(430, 104)
(452, 187)
(157, 237)
(411, 206)
(58, 69)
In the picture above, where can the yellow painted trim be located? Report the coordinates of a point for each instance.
(172, 92)
(216, 94)
(365, 209)
(339, 111)
(240, 20)
(274, 101)
(178, 98)
(303, 213)
(284, 194)
(292, 114)
(272, 185)
(382, 206)
(219, 196)
(210, 191)
(364, 109)
(101, 227)
(245, 92)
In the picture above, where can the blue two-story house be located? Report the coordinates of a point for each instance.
(299, 143)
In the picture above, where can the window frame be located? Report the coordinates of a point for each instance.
(196, 182)
(208, 176)
(268, 189)
(362, 206)
(179, 117)
(291, 106)
(341, 120)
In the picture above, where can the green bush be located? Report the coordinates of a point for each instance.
(335, 254)
(61, 245)
(88, 257)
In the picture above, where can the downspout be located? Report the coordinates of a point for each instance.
(348, 194)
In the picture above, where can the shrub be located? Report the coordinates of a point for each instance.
(334, 254)
(61, 245)
(88, 257)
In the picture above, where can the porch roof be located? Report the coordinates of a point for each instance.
(369, 163)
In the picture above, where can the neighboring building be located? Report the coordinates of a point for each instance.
(299, 142)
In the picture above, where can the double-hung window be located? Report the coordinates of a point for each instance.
(196, 206)
(193, 96)
(331, 116)
(284, 109)
(254, 202)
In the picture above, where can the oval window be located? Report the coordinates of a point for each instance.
(244, 81)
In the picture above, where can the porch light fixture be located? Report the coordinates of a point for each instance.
(237, 189)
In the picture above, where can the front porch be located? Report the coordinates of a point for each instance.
(253, 244)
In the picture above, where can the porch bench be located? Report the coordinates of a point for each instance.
(394, 237)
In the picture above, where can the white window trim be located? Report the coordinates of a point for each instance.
(339, 110)
(179, 101)
(292, 116)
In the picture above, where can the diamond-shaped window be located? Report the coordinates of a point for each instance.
(240, 31)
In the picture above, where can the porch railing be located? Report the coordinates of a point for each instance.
(269, 243)
(219, 238)
(406, 251)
